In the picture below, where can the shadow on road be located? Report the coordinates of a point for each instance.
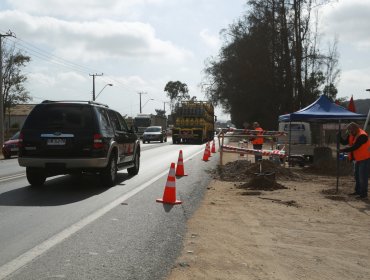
(59, 191)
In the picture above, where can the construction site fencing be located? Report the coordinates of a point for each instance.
(244, 134)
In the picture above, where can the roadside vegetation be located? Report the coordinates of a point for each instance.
(271, 62)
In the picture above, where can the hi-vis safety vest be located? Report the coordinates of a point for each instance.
(363, 152)
(258, 140)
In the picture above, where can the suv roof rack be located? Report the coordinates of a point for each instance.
(75, 101)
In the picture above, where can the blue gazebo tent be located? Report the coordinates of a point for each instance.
(323, 110)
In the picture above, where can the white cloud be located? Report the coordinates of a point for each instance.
(93, 40)
(210, 40)
(350, 20)
(355, 82)
(81, 9)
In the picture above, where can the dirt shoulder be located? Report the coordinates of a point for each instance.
(303, 231)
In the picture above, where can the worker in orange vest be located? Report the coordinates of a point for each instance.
(359, 149)
(257, 141)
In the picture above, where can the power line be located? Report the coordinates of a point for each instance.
(50, 58)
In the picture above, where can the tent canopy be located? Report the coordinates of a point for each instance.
(322, 110)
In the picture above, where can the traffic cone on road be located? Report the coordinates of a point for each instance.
(180, 166)
(205, 154)
(213, 150)
(208, 149)
(169, 194)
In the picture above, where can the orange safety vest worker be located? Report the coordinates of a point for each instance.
(361, 153)
(258, 140)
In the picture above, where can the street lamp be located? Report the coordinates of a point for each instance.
(102, 90)
(141, 107)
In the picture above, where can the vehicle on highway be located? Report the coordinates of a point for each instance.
(11, 147)
(72, 137)
(154, 133)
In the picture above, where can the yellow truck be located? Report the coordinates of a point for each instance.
(194, 122)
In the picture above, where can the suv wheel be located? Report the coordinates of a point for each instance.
(35, 176)
(135, 169)
(109, 173)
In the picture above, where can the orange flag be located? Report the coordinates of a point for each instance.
(351, 105)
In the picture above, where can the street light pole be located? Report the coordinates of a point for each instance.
(140, 93)
(103, 89)
(368, 115)
(93, 75)
(9, 34)
(145, 103)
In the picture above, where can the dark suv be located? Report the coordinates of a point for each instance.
(71, 137)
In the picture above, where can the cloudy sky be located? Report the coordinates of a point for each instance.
(140, 45)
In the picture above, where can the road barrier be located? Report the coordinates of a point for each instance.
(243, 134)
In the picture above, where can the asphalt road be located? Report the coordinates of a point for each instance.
(72, 229)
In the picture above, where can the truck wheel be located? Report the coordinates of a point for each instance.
(35, 176)
(109, 174)
(135, 170)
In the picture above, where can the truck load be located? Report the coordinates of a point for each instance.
(143, 121)
(194, 122)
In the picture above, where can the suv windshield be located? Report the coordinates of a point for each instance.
(60, 116)
(153, 129)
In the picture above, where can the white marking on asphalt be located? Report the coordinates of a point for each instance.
(38, 250)
(12, 177)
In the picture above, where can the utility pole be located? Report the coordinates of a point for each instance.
(9, 34)
(140, 93)
(93, 75)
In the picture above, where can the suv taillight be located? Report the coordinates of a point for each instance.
(98, 141)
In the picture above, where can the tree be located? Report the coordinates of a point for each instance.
(176, 91)
(14, 91)
(270, 64)
(160, 112)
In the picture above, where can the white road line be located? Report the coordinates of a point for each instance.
(12, 177)
(38, 250)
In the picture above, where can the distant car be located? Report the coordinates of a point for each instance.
(72, 137)
(154, 133)
(11, 147)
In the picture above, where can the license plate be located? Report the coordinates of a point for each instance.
(56, 142)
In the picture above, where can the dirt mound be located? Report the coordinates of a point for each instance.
(262, 183)
(243, 170)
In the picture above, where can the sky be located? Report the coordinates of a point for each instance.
(140, 45)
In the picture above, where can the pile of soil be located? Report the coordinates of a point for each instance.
(243, 170)
(263, 183)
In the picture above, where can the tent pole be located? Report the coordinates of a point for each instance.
(338, 156)
(290, 141)
(367, 120)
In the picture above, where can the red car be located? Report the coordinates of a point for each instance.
(11, 147)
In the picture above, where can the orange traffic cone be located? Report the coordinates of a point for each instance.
(169, 195)
(208, 149)
(205, 154)
(213, 147)
(180, 166)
